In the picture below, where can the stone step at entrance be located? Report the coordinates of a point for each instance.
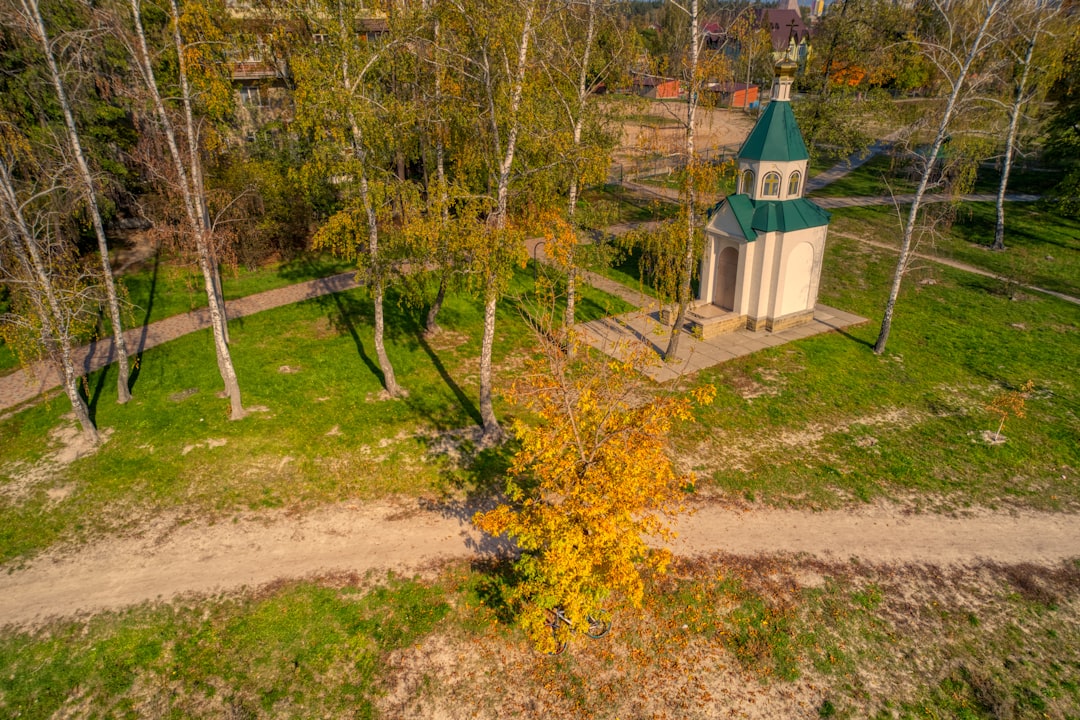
(709, 321)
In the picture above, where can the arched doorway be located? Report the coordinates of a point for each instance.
(727, 272)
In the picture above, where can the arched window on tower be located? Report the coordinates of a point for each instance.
(793, 183)
(770, 187)
(748, 182)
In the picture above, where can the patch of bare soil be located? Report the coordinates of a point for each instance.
(445, 677)
(446, 339)
(66, 445)
(735, 451)
(890, 631)
(716, 127)
(457, 444)
(136, 252)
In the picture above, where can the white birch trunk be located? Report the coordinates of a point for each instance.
(193, 196)
(1010, 143)
(579, 121)
(431, 325)
(33, 12)
(389, 380)
(54, 333)
(376, 273)
(683, 299)
(492, 432)
(939, 140)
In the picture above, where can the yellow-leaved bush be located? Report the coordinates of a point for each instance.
(590, 485)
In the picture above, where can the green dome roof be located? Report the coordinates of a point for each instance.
(776, 136)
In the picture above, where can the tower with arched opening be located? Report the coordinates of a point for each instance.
(764, 244)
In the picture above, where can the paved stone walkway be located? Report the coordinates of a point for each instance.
(621, 335)
(856, 160)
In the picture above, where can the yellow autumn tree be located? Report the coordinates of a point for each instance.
(591, 482)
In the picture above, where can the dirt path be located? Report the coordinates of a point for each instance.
(411, 536)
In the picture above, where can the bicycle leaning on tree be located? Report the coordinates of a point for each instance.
(598, 626)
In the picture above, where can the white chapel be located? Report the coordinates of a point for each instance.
(764, 245)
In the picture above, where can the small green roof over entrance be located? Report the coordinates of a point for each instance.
(764, 216)
(776, 136)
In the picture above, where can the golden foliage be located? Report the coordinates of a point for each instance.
(1010, 402)
(589, 485)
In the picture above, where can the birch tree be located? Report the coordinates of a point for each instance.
(30, 11)
(964, 30)
(40, 267)
(337, 88)
(183, 169)
(696, 175)
(436, 234)
(491, 44)
(575, 66)
(1032, 74)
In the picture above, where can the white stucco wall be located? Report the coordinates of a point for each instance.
(778, 273)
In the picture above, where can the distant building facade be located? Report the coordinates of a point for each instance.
(655, 86)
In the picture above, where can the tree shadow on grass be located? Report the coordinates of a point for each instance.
(855, 338)
(92, 396)
(345, 309)
(473, 481)
(497, 577)
(133, 377)
(410, 325)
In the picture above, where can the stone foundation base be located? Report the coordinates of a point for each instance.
(789, 321)
(705, 328)
(708, 321)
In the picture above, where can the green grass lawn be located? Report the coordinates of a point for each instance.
(165, 288)
(1034, 180)
(625, 268)
(1042, 247)
(312, 367)
(873, 178)
(821, 162)
(302, 651)
(825, 421)
(972, 641)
